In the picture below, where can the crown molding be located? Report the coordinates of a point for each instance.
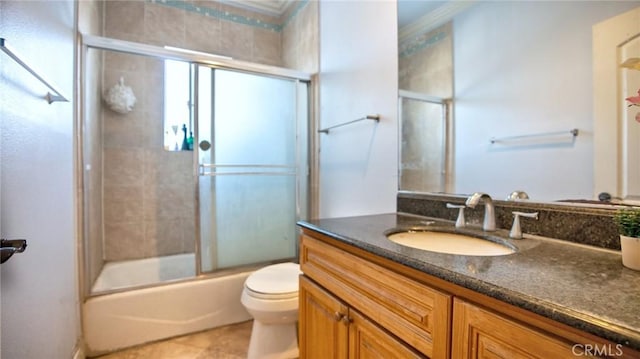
(268, 7)
(434, 19)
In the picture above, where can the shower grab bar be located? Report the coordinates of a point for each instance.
(367, 117)
(50, 98)
(573, 132)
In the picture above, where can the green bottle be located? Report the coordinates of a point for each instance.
(185, 143)
(190, 141)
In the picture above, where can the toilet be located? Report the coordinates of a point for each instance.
(270, 295)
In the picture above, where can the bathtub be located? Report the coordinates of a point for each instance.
(124, 319)
(141, 272)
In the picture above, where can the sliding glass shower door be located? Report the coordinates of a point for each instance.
(423, 138)
(251, 143)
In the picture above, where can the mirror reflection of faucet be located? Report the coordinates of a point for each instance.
(489, 223)
(517, 195)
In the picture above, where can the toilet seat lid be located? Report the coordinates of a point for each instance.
(275, 279)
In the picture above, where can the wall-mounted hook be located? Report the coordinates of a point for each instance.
(9, 247)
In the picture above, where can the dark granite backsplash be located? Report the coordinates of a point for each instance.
(580, 224)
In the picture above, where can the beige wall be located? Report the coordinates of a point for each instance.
(300, 37)
(149, 193)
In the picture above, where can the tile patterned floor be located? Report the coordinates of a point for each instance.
(229, 342)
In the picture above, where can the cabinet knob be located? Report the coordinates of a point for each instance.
(338, 316)
(346, 320)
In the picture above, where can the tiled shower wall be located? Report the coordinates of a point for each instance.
(300, 42)
(426, 62)
(149, 193)
(195, 25)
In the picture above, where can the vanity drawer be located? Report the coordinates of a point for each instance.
(415, 313)
(480, 333)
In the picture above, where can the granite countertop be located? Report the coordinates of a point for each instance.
(584, 287)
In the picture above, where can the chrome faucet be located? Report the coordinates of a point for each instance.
(489, 223)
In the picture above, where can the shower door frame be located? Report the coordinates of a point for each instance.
(446, 171)
(194, 58)
(300, 168)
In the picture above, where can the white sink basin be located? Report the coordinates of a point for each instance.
(450, 243)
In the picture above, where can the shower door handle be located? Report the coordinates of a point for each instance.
(204, 145)
(210, 169)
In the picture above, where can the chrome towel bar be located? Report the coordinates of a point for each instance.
(50, 97)
(367, 117)
(573, 132)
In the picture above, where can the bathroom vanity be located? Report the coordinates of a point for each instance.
(363, 295)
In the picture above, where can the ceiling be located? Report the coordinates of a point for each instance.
(411, 10)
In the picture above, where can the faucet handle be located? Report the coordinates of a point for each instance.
(516, 231)
(460, 222)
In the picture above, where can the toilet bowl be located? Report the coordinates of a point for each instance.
(270, 295)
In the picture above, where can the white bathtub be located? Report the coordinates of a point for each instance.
(140, 272)
(120, 320)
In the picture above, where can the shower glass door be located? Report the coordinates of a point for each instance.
(423, 139)
(251, 149)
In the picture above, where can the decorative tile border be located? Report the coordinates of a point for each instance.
(229, 16)
(299, 6)
(420, 42)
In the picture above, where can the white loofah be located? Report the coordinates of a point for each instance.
(120, 98)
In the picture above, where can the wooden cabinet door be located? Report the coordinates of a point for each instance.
(478, 333)
(323, 329)
(417, 314)
(368, 341)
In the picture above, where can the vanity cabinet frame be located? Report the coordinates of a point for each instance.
(415, 313)
(419, 308)
(334, 330)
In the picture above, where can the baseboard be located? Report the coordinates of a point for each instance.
(79, 353)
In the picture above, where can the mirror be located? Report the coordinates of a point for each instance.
(510, 91)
